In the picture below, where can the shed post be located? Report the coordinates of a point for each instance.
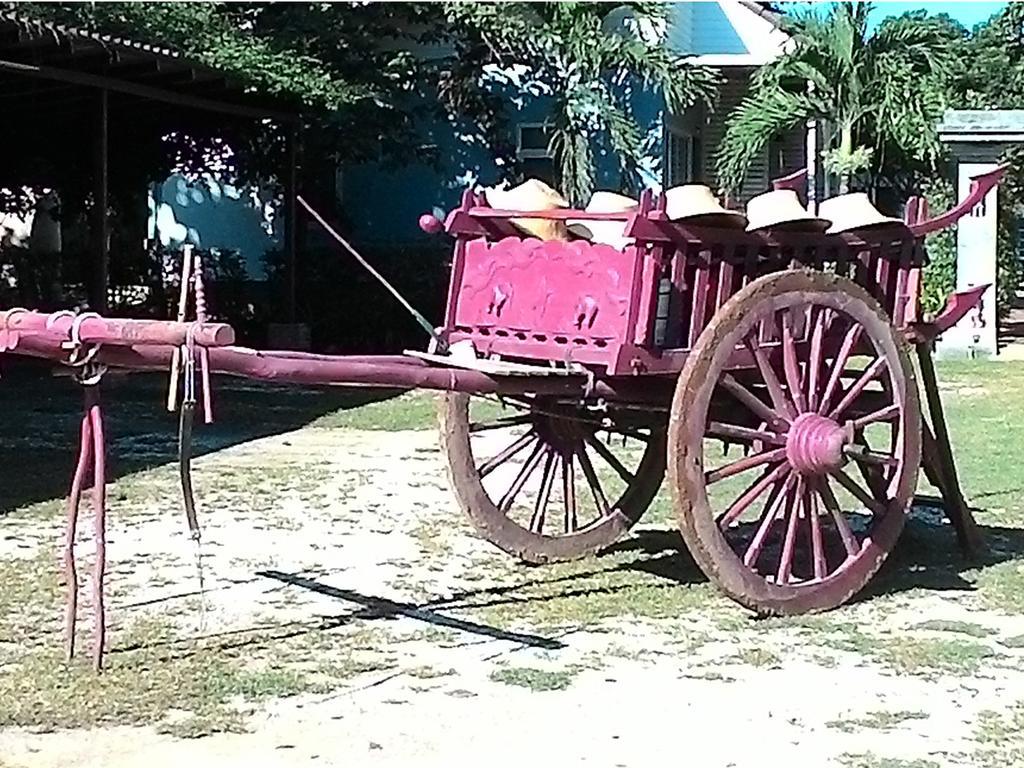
(290, 223)
(100, 261)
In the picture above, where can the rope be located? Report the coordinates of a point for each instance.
(419, 318)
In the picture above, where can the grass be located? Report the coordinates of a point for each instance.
(641, 584)
(905, 654)
(535, 679)
(881, 720)
(871, 760)
(412, 410)
(956, 627)
(1000, 737)
(429, 673)
(187, 687)
(1001, 586)
(754, 657)
(190, 688)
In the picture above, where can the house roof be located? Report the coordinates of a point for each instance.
(48, 63)
(977, 125)
(727, 33)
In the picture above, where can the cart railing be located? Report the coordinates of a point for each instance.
(516, 296)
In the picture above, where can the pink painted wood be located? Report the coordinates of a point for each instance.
(99, 330)
(561, 300)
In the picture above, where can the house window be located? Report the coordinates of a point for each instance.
(681, 157)
(533, 151)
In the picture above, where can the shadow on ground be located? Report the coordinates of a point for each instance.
(40, 421)
(926, 557)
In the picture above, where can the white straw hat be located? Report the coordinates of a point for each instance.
(531, 195)
(697, 204)
(781, 209)
(606, 232)
(853, 211)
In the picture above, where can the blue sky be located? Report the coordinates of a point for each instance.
(967, 12)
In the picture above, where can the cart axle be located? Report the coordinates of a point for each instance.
(814, 444)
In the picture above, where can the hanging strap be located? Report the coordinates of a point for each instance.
(185, 421)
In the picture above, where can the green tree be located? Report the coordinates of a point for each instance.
(346, 64)
(881, 95)
(213, 34)
(588, 60)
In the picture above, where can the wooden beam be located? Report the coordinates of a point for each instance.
(939, 453)
(8, 94)
(144, 91)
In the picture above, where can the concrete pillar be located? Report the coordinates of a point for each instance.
(976, 334)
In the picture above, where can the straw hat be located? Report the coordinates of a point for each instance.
(781, 209)
(697, 204)
(531, 195)
(606, 232)
(853, 211)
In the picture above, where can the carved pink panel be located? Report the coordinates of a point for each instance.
(576, 290)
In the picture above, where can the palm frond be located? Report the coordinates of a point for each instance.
(751, 126)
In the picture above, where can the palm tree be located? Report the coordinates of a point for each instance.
(588, 60)
(880, 95)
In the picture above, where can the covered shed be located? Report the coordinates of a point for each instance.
(83, 104)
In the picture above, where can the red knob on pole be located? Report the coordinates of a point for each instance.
(430, 224)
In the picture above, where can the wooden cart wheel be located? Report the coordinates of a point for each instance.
(548, 482)
(805, 371)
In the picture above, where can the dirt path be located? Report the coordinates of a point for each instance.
(383, 633)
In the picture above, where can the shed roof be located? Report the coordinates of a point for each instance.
(70, 59)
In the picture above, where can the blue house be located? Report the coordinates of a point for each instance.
(732, 36)
(381, 205)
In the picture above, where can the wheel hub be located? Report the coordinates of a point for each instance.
(814, 444)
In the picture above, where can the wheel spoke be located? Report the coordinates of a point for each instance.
(888, 413)
(595, 486)
(771, 381)
(819, 563)
(642, 437)
(842, 525)
(496, 461)
(789, 361)
(862, 496)
(719, 429)
(839, 364)
(527, 469)
(501, 423)
(610, 458)
(749, 496)
(742, 465)
(793, 504)
(547, 480)
(768, 516)
(569, 493)
(822, 321)
(861, 453)
(754, 403)
(869, 374)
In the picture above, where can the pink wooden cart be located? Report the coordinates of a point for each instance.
(576, 375)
